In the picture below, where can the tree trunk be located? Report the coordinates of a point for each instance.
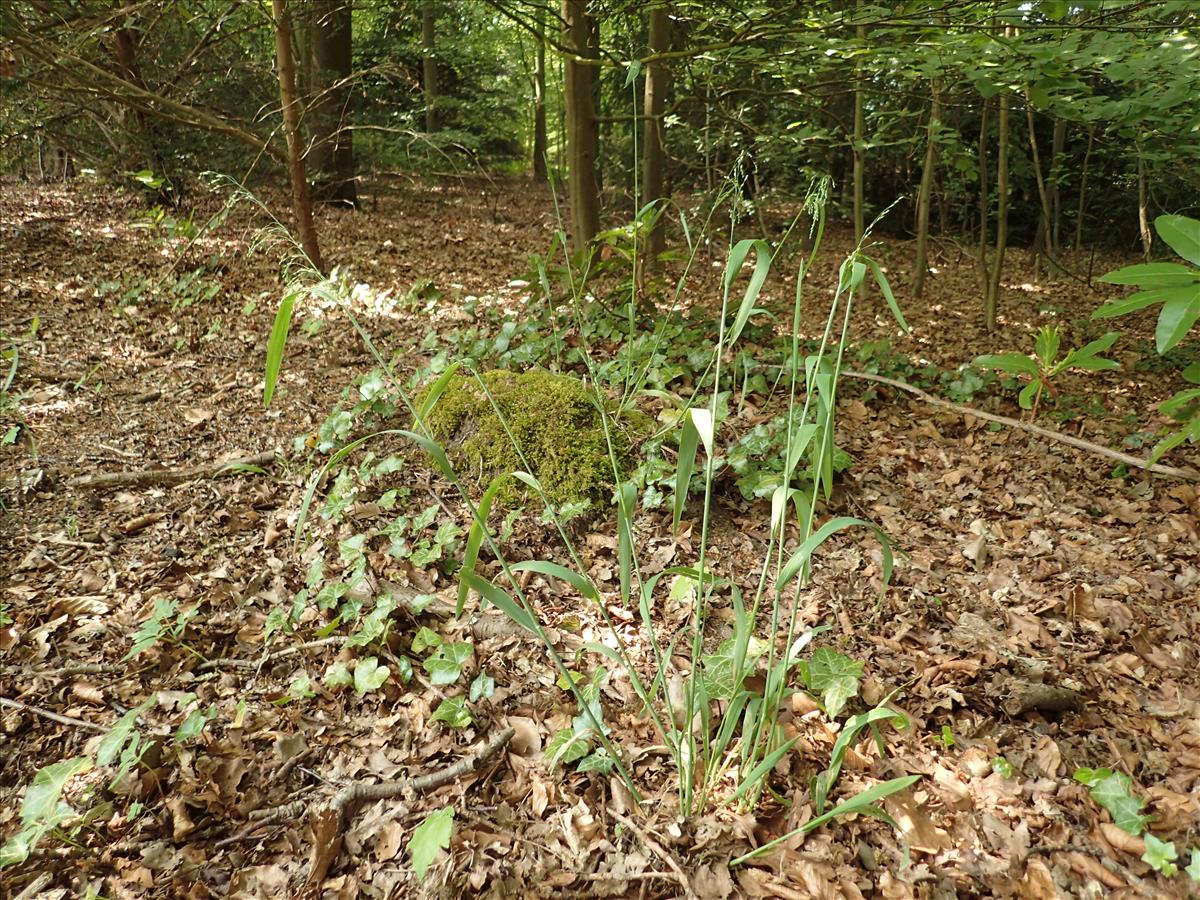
(332, 154)
(859, 136)
(301, 205)
(1057, 145)
(1083, 177)
(984, 200)
(540, 142)
(924, 194)
(993, 293)
(1041, 244)
(429, 64)
(1143, 208)
(582, 135)
(654, 154)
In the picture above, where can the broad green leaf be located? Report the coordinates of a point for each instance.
(41, 803)
(888, 296)
(1161, 855)
(474, 541)
(800, 558)
(1152, 275)
(453, 711)
(1029, 393)
(861, 803)
(1046, 346)
(762, 266)
(369, 675)
(502, 601)
(688, 442)
(1114, 791)
(1192, 373)
(429, 837)
(835, 677)
(1178, 315)
(193, 725)
(581, 583)
(338, 675)
(436, 390)
(482, 687)
(110, 745)
(276, 344)
(1193, 869)
(1016, 363)
(702, 418)
(1132, 303)
(445, 667)
(1182, 235)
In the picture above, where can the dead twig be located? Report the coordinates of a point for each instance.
(270, 657)
(679, 875)
(52, 716)
(358, 792)
(169, 476)
(1078, 443)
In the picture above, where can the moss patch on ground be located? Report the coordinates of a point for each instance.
(552, 418)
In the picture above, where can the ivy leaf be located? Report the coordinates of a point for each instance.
(338, 675)
(835, 676)
(445, 666)
(429, 837)
(1193, 870)
(1114, 792)
(453, 711)
(483, 686)
(369, 675)
(425, 638)
(1161, 855)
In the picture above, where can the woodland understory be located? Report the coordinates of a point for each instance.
(1042, 617)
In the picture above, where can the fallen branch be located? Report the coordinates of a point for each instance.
(1079, 443)
(654, 846)
(345, 800)
(52, 716)
(170, 476)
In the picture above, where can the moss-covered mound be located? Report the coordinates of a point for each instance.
(551, 417)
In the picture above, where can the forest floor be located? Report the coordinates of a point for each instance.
(1044, 619)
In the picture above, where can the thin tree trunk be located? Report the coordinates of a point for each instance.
(1143, 208)
(1057, 146)
(1083, 177)
(859, 134)
(301, 205)
(429, 64)
(654, 154)
(332, 154)
(993, 294)
(582, 136)
(1041, 247)
(540, 142)
(984, 200)
(925, 193)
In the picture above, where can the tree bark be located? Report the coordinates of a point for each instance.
(1143, 208)
(1083, 178)
(993, 292)
(859, 136)
(540, 142)
(654, 154)
(925, 193)
(429, 64)
(984, 199)
(1057, 145)
(332, 154)
(582, 135)
(302, 206)
(1041, 244)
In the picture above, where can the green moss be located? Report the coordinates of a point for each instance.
(551, 417)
